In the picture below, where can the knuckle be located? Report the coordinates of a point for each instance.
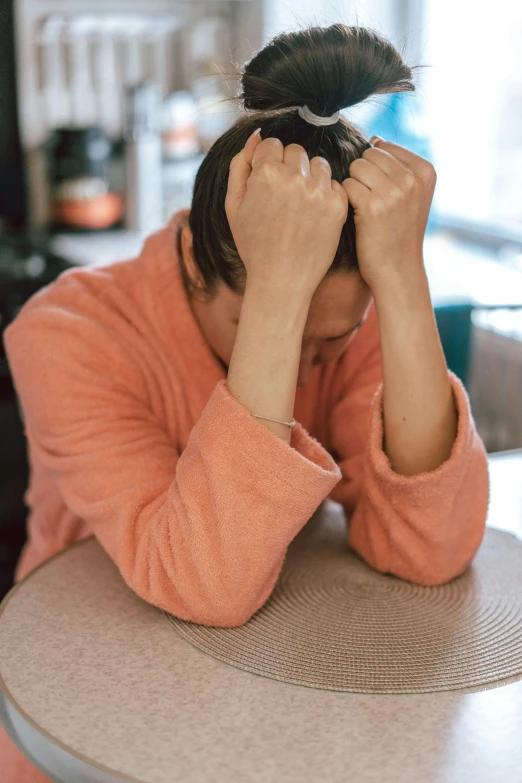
(265, 150)
(320, 161)
(396, 194)
(270, 141)
(340, 205)
(410, 182)
(301, 183)
(430, 172)
(266, 169)
(375, 207)
(296, 147)
(269, 166)
(237, 158)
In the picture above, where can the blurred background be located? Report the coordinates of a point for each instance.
(108, 107)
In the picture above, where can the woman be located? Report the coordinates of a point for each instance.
(159, 393)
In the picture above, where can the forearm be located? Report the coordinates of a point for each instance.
(264, 366)
(420, 418)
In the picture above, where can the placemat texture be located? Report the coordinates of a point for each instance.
(332, 622)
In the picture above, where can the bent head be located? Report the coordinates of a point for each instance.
(327, 69)
(337, 310)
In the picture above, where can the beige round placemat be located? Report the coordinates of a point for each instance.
(332, 622)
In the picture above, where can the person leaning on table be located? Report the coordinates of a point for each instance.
(158, 393)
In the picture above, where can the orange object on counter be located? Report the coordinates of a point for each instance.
(102, 211)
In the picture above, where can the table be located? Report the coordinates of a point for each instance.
(115, 694)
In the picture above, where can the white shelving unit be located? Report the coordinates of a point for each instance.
(73, 55)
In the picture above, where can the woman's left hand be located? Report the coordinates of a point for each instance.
(390, 190)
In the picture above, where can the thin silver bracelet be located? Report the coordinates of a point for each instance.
(288, 423)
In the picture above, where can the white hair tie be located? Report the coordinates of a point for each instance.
(315, 119)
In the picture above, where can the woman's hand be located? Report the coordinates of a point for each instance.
(390, 190)
(285, 213)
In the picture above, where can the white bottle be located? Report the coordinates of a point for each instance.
(143, 159)
(180, 127)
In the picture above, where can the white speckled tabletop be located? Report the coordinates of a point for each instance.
(96, 687)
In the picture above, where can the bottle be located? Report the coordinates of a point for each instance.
(180, 127)
(143, 159)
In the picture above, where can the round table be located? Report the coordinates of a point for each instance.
(97, 687)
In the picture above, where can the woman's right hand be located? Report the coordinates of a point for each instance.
(285, 213)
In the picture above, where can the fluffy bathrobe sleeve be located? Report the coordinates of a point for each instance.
(203, 533)
(427, 527)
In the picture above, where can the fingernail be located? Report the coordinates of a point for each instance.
(375, 140)
(257, 132)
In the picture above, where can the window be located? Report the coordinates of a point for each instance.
(473, 101)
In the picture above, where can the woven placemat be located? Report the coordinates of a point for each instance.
(334, 623)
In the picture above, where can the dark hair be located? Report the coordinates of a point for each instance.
(326, 68)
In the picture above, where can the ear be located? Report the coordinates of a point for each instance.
(187, 250)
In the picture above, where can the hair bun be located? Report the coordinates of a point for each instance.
(324, 68)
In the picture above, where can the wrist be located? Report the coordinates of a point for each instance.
(278, 301)
(408, 280)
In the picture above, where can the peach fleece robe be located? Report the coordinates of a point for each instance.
(133, 436)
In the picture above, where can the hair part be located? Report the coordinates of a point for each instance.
(326, 68)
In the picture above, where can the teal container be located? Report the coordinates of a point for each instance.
(454, 325)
